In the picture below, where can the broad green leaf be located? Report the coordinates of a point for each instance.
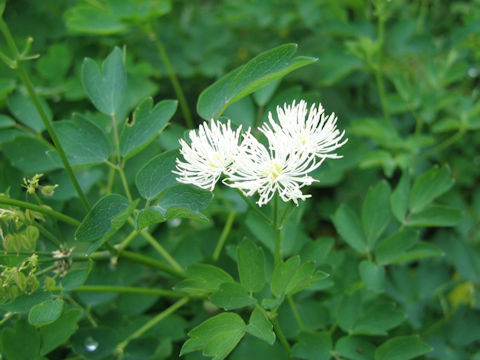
(376, 212)
(31, 155)
(354, 347)
(421, 250)
(106, 86)
(263, 95)
(56, 333)
(348, 311)
(86, 177)
(94, 20)
(179, 201)
(97, 224)
(313, 346)
(395, 246)
(251, 265)
(55, 63)
(429, 186)
(260, 326)
(402, 348)
(20, 343)
(373, 276)
(139, 10)
(399, 198)
(232, 295)
(436, 215)
(23, 108)
(258, 72)
(77, 275)
(379, 319)
(147, 122)
(25, 302)
(6, 121)
(348, 225)
(217, 336)
(203, 279)
(282, 274)
(157, 175)
(45, 312)
(83, 142)
(304, 277)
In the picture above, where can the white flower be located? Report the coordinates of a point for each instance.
(267, 172)
(316, 133)
(209, 154)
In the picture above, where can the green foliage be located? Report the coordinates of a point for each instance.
(381, 262)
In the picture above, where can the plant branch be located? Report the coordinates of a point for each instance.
(44, 210)
(255, 207)
(224, 235)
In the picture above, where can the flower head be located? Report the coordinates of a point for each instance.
(209, 154)
(307, 131)
(270, 171)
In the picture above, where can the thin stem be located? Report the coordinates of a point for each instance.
(7, 317)
(46, 270)
(224, 235)
(276, 231)
(296, 314)
(446, 143)
(280, 335)
(161, 250)
(171, 74)
(255, 208)
(44, 210)
(46, 121)
(111, 178)
(128, 240)
(125, 183)
(137, 258)
(150, 324)
(86, 310)
(287, 212)
(120, 164)
(126, 290)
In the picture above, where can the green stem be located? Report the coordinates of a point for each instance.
(125, 183)
(296, 314)
(126, 290)
(150, 324)
(446, 143)
(276, 231)
(120, 163)
(137, 258)
(48, 125)
(224, 235)
(171, 74)
(280, 336)
(128, 240)
(161, 250)
(46, 270)
(40, 209)
(254, 207)
(7, 317)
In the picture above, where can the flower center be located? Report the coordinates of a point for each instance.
(273, 170)
(215, 161)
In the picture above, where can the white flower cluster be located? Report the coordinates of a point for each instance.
(297, 144)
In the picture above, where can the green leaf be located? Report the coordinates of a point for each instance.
(97, 224)
(93, 20)
(348, 311)
(251, 265)
(348, 225)
(217, 336)
(282, 274)
(313, 346)
(146, 124)
(373, 276)
(203, 279)
(21, 343)
(263, 95)
(261, 327)
(142, 10)
(157, 175)
(376, 212)
(305, 276)
(83, 142)
(399, 198)
(436, 215)
(56, 333)
(77, 274)
(23, 153)
(354, 347)
(45, 312)
(231, 295)
(6, 121)
(421, 250)
(378, 319)
(402, 348)
(105, 87)
(429, 186)
(258, 72)
(23, 108)
(25, 302)
(395, 247)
